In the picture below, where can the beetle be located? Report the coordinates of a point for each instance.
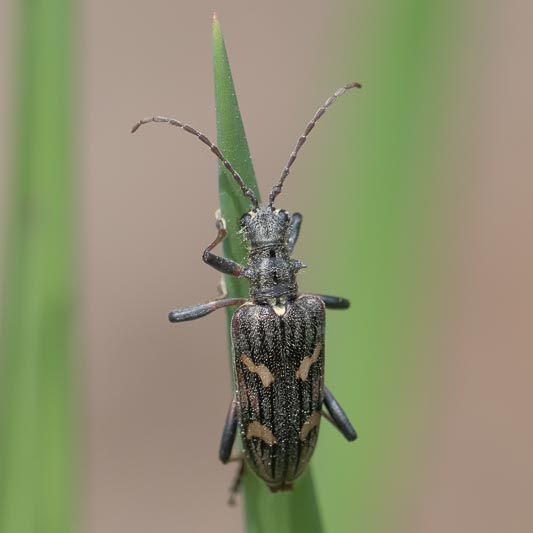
(278, 334)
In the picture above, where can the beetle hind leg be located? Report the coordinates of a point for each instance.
(338, 416)
(334, 302)
(226, 445)
(235, 486)
(229, 432)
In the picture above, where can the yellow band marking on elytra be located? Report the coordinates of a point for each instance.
(256, 429)
(261, 370)
(309, 424)
(305, 365)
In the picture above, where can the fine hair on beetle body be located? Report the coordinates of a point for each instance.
(278, 335)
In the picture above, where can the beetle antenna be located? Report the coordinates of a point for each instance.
(189, 129)
(303, 137)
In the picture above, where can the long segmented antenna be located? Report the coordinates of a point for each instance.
(189, 129)
(303, 137)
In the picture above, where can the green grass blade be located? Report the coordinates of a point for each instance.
(36, 475)
(231, 140)
(295, 511)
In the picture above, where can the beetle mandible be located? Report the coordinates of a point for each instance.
(277, 334)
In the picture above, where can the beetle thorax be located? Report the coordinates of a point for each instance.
(271, 270)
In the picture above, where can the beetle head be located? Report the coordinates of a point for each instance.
(265, 226)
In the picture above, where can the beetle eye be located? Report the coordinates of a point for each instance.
(283, 215)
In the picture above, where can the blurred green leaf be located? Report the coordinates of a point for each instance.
(386, 156)
(36, 427)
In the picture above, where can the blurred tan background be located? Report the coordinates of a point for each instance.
(147, 207)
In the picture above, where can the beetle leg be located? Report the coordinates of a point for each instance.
(338, 416)
(229, 432)
(226, 266)
(200, 310)
(226, 445)
(294, 230)
(222, 289)
(334, 302)
(236, 484)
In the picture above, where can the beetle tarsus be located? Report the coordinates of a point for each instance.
(235, 487)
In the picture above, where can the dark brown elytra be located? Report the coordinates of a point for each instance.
(278, 334)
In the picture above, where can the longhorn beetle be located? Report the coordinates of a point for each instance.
(277, 334)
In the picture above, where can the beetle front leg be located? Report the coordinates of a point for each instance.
(294, 230)
(226, 266)
(334, 302)
(201, 310)
(340, 420)
(222, 289)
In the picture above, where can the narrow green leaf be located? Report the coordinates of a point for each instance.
(36, 479)
(231, 140)
(289, 512)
